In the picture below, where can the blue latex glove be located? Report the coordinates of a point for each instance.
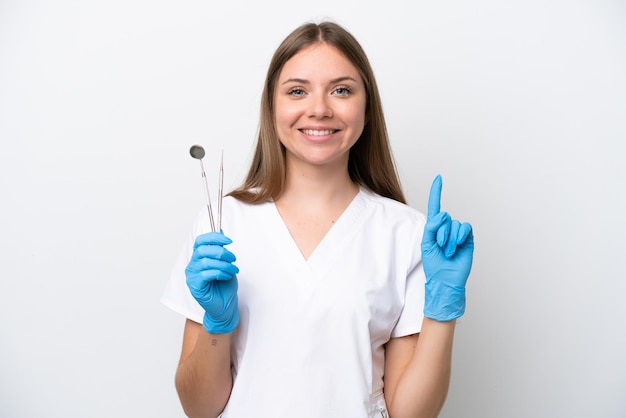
(212, 282)
(447, 252)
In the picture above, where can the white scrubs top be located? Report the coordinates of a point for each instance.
(310, 342)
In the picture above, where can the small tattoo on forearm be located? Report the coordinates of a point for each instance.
(214, 342)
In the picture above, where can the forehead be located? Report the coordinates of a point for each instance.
(318, 61)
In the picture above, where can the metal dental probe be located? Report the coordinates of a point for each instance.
(220, 194)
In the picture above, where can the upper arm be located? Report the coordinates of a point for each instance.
(398, 354)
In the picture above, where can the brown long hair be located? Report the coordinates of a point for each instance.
(370, 163)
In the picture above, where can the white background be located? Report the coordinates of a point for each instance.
(520, 105)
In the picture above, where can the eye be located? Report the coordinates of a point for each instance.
(296, 91)
(342, 91)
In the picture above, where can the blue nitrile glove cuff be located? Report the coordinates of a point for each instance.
(221, 327)
(443, 302)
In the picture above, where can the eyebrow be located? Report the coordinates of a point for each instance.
(333, 81)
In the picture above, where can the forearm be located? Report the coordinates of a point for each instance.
(422, 389)
(204, 379)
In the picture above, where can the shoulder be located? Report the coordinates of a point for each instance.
(234, 211)
(237, 214)
(391, 209)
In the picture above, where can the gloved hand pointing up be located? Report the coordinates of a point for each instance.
(447, 252)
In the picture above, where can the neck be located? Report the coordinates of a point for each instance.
(317, 185)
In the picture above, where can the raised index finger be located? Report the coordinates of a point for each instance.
(434, 200)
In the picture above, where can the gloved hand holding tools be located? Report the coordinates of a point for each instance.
(211, 278)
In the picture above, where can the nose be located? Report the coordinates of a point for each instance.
(320, 107)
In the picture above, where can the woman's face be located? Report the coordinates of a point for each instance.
(320, 102)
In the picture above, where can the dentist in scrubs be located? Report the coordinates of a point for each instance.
(324, 294)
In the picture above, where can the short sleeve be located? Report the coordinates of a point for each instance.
(412, 315)
(176, 294)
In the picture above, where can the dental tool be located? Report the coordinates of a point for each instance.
(198, 153)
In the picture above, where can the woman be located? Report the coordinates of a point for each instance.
(344, 299)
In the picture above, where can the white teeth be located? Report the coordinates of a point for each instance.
(318, 133)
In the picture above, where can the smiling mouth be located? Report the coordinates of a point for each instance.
(315, 132)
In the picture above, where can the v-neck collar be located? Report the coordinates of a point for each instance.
(330, 246)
